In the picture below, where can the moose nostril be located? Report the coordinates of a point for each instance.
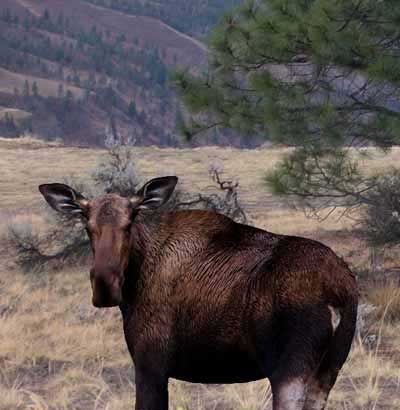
(106, 290)
(101, 286)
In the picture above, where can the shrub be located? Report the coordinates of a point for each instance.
(64, 242)
(225, 200)
(117, 173)
(381, 219)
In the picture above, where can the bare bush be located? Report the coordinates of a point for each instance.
(117, 173)
(65, 242)
(365, 318)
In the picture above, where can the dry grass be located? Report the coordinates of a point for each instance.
(386, 298)
(18, 188)
(57, 352)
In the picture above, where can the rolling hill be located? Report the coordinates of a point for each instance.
(91, 70)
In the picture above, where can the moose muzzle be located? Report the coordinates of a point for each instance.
(107, 289)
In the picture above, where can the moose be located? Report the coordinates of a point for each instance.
(207, 300)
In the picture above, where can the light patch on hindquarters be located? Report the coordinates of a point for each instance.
(292, 395)
(335, 317)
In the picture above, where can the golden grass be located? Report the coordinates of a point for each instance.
(80, 360)
(56, 323)
(11, 398)
(386, 298)
(57, 352)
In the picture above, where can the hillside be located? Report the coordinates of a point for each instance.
(194, 17)
(89, 70)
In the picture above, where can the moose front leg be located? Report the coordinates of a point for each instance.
(151, 391)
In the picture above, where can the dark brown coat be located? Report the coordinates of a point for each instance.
(207, 300)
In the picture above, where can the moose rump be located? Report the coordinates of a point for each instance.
(205, 299)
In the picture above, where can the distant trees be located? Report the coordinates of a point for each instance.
(113, 68)
(26, 90)
(9, 17)
(132, 109)
(8, 127)
(35, 89)
(14, 124)
(192, 16)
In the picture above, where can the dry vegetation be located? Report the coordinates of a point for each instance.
(26, 164)
(57, 352)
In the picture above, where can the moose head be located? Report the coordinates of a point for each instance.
(109, 220)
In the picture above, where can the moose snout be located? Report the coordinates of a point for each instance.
(106, 287)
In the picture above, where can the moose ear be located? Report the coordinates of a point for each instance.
(64, 199)
(156, 192)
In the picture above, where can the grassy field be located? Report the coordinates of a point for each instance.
(57, 352)
(27, 163)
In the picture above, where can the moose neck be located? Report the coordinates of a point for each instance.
(146, 241)
(148, 233)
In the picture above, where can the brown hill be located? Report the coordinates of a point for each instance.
(84, 71)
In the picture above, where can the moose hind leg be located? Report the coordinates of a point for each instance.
(324, 379)
(289, 395)
(317, 395)
(304, 337)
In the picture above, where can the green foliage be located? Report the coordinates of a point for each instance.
(320, 181)
(317, 75)
(381, 217)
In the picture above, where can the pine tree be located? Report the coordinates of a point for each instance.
(132, 109)
(26, 92)
(60, 91)
(317, 75)
(35, 90)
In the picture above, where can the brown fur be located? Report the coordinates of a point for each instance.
(207, 300)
